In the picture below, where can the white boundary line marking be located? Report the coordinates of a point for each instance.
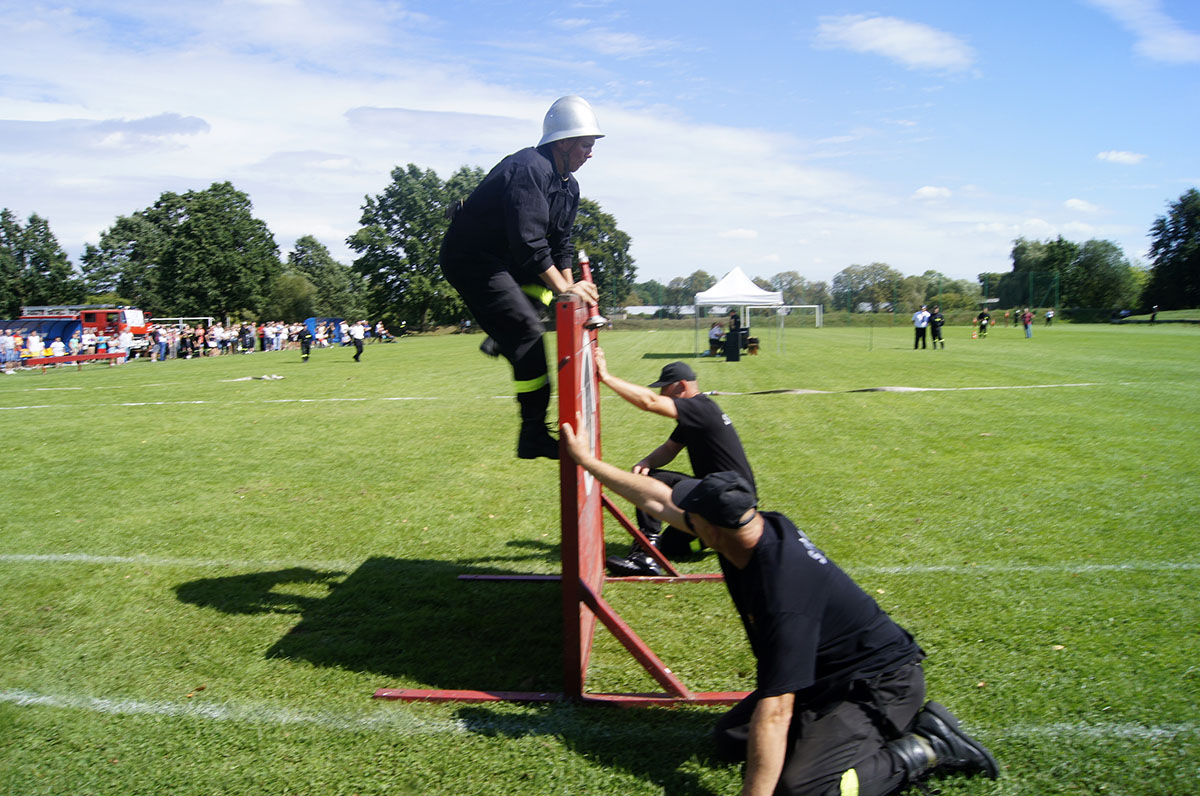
(908, 569)
(219, 403)
(509, 397)
(385, 720)
(391, 720)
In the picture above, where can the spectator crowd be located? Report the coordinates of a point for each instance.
(180, 342)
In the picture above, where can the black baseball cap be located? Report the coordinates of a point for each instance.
(721, 498)
(676, 371)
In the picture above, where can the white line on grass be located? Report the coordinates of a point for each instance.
(222, 402)
(392, 720)
(149, 561)
(509, 397)
(910, 389)
(910, 569)
(384, 720)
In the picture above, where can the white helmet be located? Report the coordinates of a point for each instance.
(569, 117)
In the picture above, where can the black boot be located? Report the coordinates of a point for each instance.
(490, 347)
(638, 562)
(937, 745)
(535, 440)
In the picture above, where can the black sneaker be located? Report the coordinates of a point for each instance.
(535, 442)
(490, 347)
(636, 563)
(954, 749)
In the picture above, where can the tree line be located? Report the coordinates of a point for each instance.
(203, 253)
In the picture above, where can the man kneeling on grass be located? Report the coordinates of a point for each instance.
(837, 709)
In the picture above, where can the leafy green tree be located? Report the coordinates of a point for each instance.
(220, 259)
(10, 264)
(1175, 256)
(339, 289)
(798, 290)
(950, 294)
(681, 291)
(1052, 256)
(398, 245)
(675, 296)
(1100, 276)
(197, 253)
(651, 292)
(34, 267)
(125, 263)
(607, 247)
(877, 285)
(989, 283)
(1037, 267)
(292, 298)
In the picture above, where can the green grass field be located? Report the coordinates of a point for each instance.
(204, 579)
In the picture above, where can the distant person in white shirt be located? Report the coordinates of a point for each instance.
(920, 322)
(357, 332)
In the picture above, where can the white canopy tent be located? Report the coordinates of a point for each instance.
(736, 290)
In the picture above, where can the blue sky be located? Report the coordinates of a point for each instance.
(808, 136)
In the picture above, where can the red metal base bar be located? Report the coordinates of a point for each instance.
(697, 576)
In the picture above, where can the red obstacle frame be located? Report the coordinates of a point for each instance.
(582, 506)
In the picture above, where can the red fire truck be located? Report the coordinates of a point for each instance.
(107, 319)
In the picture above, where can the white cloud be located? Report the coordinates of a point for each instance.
(307, 128)
(1080, 205)
(931, 192)
(612, 43)
(1158, 36)
(913, 44)
(1119, 156)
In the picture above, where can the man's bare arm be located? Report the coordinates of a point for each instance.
(651, 496)
(643, 398)
(560, 283)
(659, 457)
(767, 744)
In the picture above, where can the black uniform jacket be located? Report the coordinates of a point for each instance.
(518, 220)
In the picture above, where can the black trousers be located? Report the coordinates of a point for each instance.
(920, 338)
(672, 542)
(508, 316)
(825, 744)
(935, 333)
(357, 349)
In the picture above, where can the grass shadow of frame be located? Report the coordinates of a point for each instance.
(652, 744)
(409, 620)
(682, 355)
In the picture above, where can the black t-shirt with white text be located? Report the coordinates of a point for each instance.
(712, 444)
(812, 628)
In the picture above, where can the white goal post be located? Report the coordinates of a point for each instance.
(818, 311)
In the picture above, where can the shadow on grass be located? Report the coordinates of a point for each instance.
(651, 744)
(409, 620)
(683, 355)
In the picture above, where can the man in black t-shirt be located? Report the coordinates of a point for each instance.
(838, 703)
(701, 428)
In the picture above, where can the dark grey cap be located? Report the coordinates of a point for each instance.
(721, 498)
(676, 371)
